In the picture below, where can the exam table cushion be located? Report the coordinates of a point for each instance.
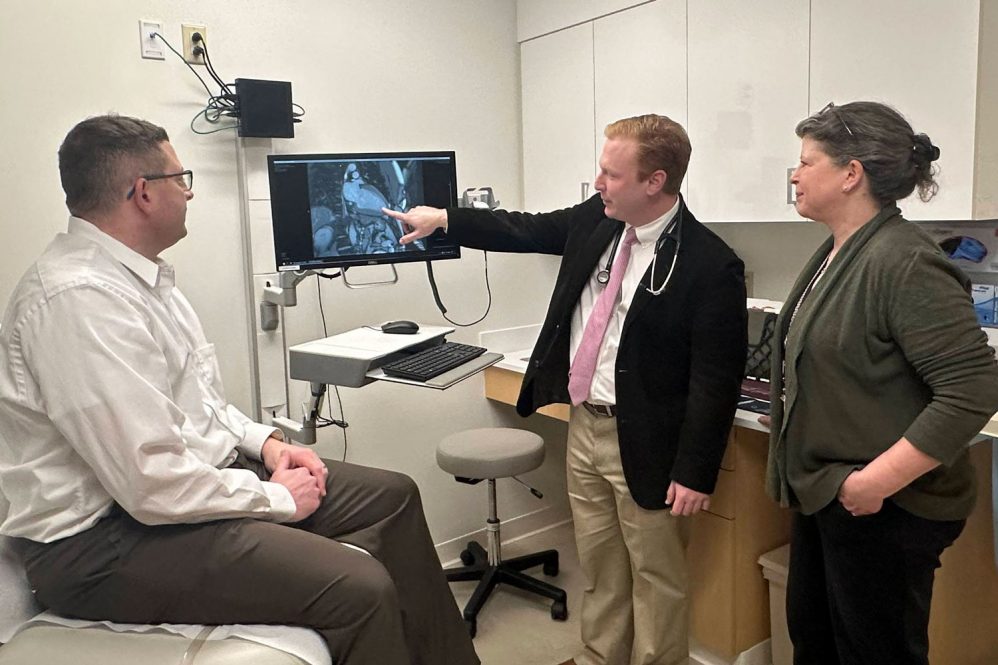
(33, 636)
(58, 645)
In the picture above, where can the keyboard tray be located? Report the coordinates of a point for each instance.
(448, 378)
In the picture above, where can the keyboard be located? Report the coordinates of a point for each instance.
(434, 361)
(755, 396)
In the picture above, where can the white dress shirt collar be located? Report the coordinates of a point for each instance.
(603, 389)
(651, 232)
(158, 275)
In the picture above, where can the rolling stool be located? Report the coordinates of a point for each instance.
(486, 454)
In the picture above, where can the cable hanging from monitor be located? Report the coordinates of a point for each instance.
(440, 304)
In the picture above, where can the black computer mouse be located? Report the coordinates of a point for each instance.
(400, 327)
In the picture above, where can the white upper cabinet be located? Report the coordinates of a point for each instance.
(577, 81)
(556, 74)
(640, 64)
(539, 17)
(740, 75)
(919, 56)
(748, 77)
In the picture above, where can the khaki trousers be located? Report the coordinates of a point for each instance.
(391, 608)
(634, 607)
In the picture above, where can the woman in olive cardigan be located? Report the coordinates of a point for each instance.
(885, 377)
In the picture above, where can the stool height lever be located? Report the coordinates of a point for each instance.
(533, 491)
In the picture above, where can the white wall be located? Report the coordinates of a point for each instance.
(774, 252)
(375, 75)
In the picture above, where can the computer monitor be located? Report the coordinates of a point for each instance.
(327, 208)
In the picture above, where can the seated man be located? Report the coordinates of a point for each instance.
(139, 493)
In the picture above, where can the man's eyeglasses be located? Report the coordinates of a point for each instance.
(830, 107)
(187, 180)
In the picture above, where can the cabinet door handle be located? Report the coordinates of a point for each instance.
(585, 191)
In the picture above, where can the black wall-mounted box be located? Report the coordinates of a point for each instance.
(265, 109)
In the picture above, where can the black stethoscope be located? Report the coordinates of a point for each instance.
(673, 231)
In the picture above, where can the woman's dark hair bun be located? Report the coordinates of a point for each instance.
(923, 148)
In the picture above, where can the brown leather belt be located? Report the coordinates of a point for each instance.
(602, 410)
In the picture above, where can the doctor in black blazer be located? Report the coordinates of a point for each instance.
(646, 439)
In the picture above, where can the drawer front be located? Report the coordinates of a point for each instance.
(723, 500)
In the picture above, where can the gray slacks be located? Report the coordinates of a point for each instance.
(392, 608)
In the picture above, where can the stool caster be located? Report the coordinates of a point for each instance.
(467, 558)
(559, 610)
(551, 568)
(472, 626)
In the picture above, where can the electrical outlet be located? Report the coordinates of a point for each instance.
(187, 31)
(151, 47)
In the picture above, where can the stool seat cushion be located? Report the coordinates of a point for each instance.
(490, 452)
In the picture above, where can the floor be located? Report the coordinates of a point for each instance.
(515, 628)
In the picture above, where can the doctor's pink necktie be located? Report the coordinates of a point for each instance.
(584, 365)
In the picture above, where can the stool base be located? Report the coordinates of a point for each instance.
(477, 567)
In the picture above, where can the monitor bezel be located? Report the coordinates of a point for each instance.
(448, 251)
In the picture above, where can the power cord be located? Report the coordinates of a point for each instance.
(179, 55)
(217, 105)
(197, 38)
(326, 422)
(223, 104)
(228, 94)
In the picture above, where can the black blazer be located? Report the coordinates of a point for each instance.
(682, 353)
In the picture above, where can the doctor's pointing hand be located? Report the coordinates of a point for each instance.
(419, 222)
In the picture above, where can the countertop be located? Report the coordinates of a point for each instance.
(517, 343)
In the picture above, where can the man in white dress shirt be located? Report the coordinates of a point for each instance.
(138, 492)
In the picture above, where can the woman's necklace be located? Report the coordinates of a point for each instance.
(810, 286)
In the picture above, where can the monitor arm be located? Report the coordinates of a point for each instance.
(284, 293)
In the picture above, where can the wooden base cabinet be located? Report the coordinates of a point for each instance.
(730, 597)
(963, 626)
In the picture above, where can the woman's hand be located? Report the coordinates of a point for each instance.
(859, 496)
(863, 491)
